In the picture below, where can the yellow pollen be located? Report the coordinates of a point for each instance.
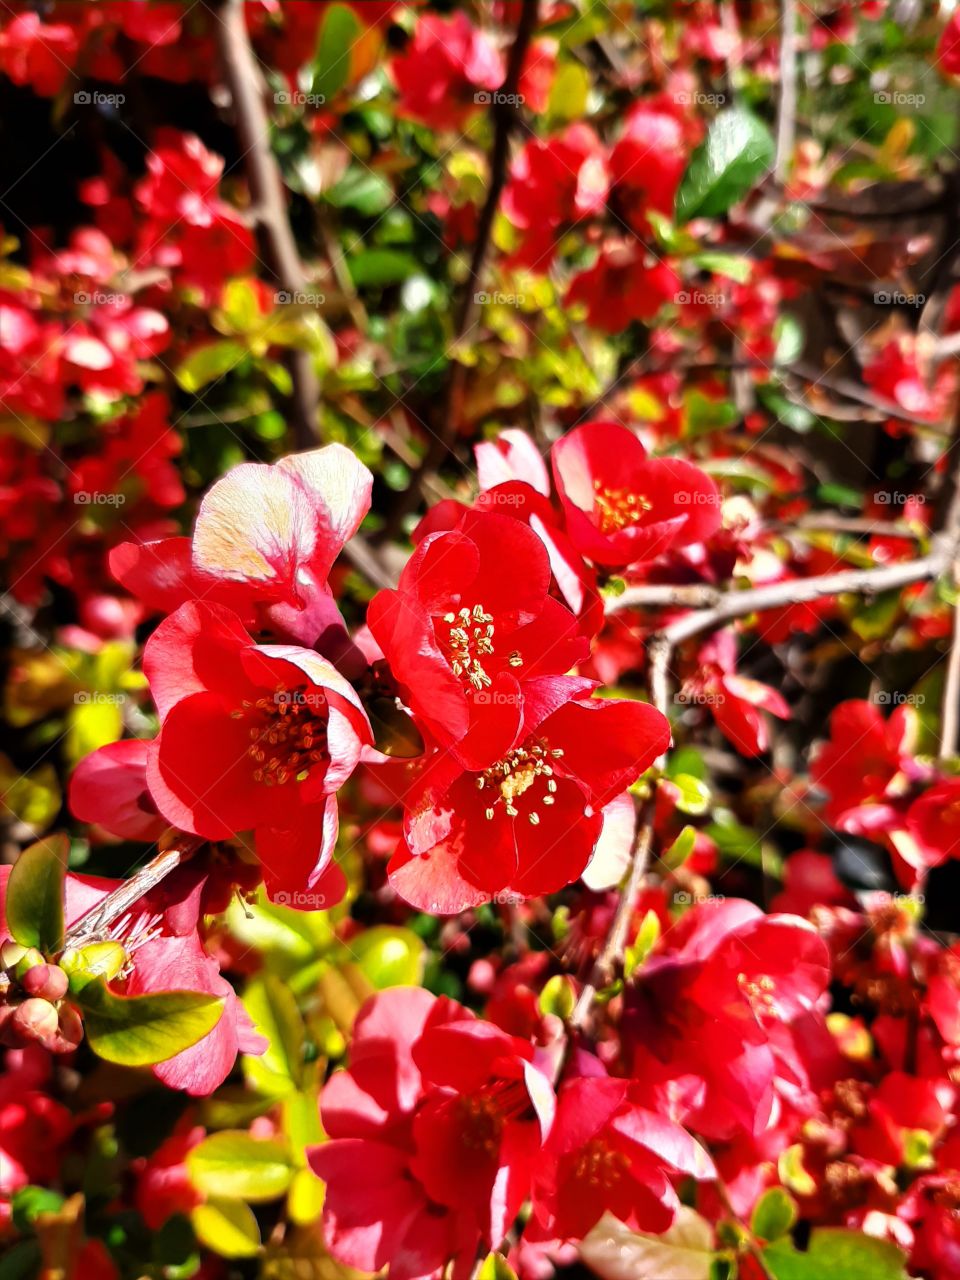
(516, 774)
(469, 639)
(617, 509)
(288, 734)
(599, 1166)
(759, 993)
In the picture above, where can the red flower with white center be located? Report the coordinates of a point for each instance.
(264, 542)
(447, 72)
(527, 824)
(624, 284)
(735, 701)
(435, 1128)
(607, 1153)
(474, 635)
(253, 738)
(623, 508)
(721, 1015)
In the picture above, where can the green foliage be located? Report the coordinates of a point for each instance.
(737, 151)
(34, 900)
(138, 1031)
(837, 1253)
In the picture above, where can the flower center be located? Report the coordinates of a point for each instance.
(469, 641)
(617, 509)
(759, 993)
(288, 734)
(514, 775)
(599, 1166)
(484, 1114)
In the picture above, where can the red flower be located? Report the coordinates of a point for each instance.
(623, 285)
(735, 701)
(553, 183)
(426, 1084)
(710, 1021)
(40, 54)
(109, 787)
(866, 767)
(933, 821)
(948, 49)
(478, 649)
(647, 163)
(264, 542)
(252, 738)
(528, 824)
(606, 1153)
(622, 507)
(442, 75)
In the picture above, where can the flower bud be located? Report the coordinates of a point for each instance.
(46, 981)
(35, 1019)
(30, 958)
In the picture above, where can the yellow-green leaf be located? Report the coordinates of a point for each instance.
(228, 1227)
(34, 904)
(274, 1011)
(138, 1031)
(236, 1166)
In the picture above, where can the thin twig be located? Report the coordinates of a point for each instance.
(95, 925)
(787, 107)
(504, 109)
(247, 90)
(737, 604)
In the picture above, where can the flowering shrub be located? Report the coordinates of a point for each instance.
(480, 512)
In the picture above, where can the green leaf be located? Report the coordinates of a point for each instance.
(774, 1215)
(228, 1227)
(789, 337)
(683, 1252)
(208, 363)
(737, 151)
(361, 189)
(30, 1201)
(838, 1254)
(694, 797)
(647, 937)
(331, 66)
(681, 849)
(379, 267)
(389, 956)
(724, 264)
(568, 93)
(95, 960)
(34, 904)
(496, 1267)
(558, 997)
(232, 1165)
(138, 1031)
(273, 1009)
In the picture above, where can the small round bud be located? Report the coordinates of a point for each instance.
(35, 1020)
(71, 1029)
(47, 981)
